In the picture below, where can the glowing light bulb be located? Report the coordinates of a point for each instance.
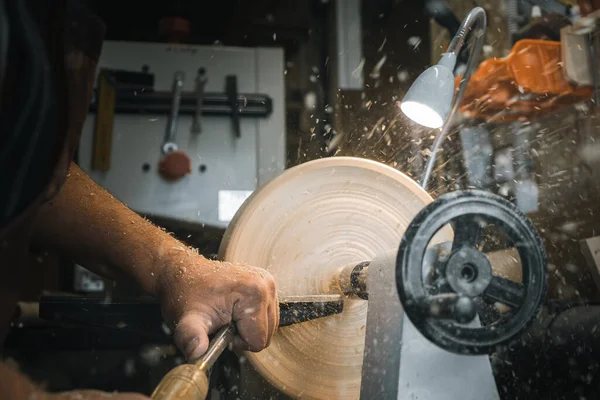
(422, 114)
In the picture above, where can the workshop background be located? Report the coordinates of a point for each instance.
(321, 78)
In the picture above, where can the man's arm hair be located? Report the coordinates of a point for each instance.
(16, 386)
(96, 230)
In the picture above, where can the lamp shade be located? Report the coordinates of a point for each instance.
(429, 99)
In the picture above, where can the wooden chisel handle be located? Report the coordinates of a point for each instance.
(185, 382)
(190, 381)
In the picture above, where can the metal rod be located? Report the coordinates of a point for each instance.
(171, 132)
(129, 102)
(476, 18)
(594, 67)
(216, 346)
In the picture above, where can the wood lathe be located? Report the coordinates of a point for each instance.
(334, 226)
(355, 247)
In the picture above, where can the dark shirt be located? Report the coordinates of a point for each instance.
(72, 38)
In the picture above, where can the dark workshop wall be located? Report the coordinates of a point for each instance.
(396, 49)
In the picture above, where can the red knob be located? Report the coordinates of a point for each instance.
(174, 29)
(175, 166)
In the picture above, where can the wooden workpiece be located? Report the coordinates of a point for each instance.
(302, 227)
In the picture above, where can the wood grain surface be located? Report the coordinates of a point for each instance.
(302, 227)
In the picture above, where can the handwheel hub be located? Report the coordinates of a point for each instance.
(468, 271)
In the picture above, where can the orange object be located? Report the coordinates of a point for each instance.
(529, 82)
(174, 29)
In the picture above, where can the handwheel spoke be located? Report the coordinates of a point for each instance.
(487, 313)
(505, 291)
(466, 232)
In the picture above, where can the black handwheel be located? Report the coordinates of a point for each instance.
(440, 295)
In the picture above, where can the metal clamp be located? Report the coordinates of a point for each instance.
(232, 97)
(200, 85)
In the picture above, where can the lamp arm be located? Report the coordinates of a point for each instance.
(475, 18)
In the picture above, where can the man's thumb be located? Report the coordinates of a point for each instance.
(191, 336)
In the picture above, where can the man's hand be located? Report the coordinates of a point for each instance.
(199, 296)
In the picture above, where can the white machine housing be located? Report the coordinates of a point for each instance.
(233, 167)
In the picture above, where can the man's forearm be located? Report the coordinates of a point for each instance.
(16, 386)
(13, 385)
(87, 223)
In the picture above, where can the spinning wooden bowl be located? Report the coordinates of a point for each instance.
(303, 226)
